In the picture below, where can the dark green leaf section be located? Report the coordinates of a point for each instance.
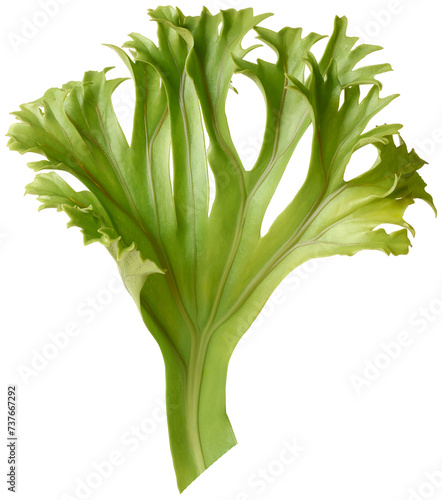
(200, 279)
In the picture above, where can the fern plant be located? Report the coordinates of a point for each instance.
(199, 279)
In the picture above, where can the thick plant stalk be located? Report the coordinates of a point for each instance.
(199, 428)
(200, 279)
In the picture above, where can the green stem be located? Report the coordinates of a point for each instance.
(199, 429)
(196, 375)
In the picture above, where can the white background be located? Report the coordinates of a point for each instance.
(290, 380)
